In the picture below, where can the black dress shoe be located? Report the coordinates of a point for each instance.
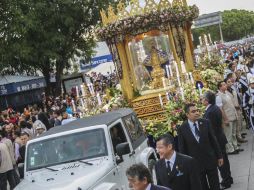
(225, 186)
(244, 134)
(239, 150)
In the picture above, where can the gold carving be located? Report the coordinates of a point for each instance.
(157, 72)
(111, 15)
(177, 3)
(104, 17)
(135, 8)
(164, 4)
(150, 6)
(122, 12)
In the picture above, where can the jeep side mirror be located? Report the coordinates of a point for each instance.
(123, 149)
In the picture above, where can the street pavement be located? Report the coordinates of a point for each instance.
(242, 165)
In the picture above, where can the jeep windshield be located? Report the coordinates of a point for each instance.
(67, 148)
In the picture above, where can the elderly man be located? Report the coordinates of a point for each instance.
(140, 178)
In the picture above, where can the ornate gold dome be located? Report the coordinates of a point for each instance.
(110, 16)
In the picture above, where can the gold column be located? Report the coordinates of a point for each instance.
(189, 33)
(130, 67)
(172, 45)
(125, 81)
(188, 54)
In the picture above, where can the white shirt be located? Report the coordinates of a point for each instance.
(192, 128)
(207, 107)
(148, 187)
(171, 160)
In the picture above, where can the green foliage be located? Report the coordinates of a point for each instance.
(44, 35)
(236, 25)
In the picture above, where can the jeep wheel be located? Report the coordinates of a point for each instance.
(151, 167)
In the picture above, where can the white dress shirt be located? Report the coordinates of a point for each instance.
(148, 187)
(171, 160)
(192, 128)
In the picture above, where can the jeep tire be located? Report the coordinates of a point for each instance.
(151, 167)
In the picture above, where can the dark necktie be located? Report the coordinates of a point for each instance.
(168, 166)
(197, 132)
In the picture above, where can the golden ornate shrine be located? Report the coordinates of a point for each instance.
(151, 48)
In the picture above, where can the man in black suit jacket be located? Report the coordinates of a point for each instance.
(196, 139)
(140, 178)
(214, 115)
(175, 170)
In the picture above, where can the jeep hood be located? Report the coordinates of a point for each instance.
(69, 176)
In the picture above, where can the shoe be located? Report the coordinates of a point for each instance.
(234, 152)
(240, 140)
(224, 186)
(239, 150)
(244, 134)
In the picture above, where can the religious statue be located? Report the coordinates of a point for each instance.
(157, 73)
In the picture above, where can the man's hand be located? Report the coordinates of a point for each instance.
(220, 162)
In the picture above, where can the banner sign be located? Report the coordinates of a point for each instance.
(17, 87)
(208, 20)
(95, 61)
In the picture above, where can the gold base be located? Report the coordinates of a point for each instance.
(148, 107)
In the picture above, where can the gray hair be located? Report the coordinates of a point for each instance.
(140, 171)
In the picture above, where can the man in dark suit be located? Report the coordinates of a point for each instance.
(140, 178)
(175, 170)
(214, 115)
(196, 139)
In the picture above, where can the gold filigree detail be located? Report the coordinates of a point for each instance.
(164, 4)
(104, 17)
(177, 3)
(111, 15)
(150, 6)
(135, 8)
(121, 10)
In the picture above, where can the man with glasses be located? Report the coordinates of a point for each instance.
(196, 139)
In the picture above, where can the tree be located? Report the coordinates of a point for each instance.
(45, 35)
(236, 25)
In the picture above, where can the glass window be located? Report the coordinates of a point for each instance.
(144, 50)
(133, 126)
(68, 148)
(117, 135)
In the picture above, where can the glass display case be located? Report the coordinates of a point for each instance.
(151, 59)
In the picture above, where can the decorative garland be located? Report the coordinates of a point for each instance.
(134, 25)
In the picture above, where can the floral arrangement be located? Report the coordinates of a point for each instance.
(212, 69)
(158, 19)
(212, 77)
(214, 62)
(175, 112)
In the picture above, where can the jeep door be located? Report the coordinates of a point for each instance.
(119, 136)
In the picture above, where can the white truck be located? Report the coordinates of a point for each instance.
(91, 153)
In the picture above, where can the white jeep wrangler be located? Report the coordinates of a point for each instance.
(86, 154)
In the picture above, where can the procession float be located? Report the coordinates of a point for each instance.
(152, 50)
(153, 53)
